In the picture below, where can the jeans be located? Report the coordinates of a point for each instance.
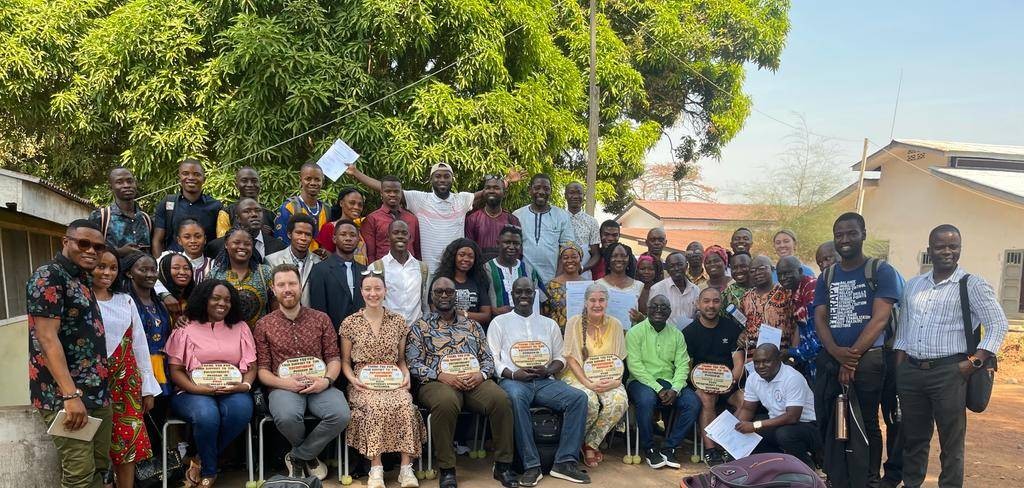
(645, 401)
(798, 440)
(216, 421)
(82, 463)
(289, 411)
(557, 396)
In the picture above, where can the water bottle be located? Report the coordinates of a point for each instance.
(736, 314)
(182, 449)
(842, 430)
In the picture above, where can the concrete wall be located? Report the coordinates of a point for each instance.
(14, 364)
(635, 217)
(29, 458)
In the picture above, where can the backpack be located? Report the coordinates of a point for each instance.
(758, 471)
(282, 481)
(105, 220)
(871, 278)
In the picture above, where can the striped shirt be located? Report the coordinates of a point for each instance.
(932, 324)
(441, 221)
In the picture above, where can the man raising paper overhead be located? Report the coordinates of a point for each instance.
(441, 213)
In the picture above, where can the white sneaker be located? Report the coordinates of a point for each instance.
(407, 478)
(316, 468)
(376, 477)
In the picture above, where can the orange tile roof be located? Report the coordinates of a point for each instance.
(678, 239)
(665, 209)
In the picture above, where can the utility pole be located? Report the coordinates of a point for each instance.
(860, 183)
(594, 113)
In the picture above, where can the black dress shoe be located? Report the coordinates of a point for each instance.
(446, 479)
(503, 474)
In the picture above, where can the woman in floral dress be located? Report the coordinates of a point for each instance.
(132, 384)
(382, 420)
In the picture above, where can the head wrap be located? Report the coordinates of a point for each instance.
(720, 251)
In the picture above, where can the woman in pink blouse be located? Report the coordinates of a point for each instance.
(215, 333)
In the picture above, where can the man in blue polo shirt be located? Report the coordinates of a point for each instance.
(851, 313)
(189, 203)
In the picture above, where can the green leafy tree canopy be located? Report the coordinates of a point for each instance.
(483, 85)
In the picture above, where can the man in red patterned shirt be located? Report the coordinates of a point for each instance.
(766, 304)
(298, 359)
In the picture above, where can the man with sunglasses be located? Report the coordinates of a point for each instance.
(485, 224)
(436, 340)
(68, 354)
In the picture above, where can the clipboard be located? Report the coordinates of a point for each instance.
(86, 433)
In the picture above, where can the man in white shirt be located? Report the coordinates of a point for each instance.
(441, 213)
(405, 275)
(791, 426)
(537, 343)
(933, 359)
(300, 234)
(584, 227)
(680, 292)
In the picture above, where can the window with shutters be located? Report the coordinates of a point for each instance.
(925, 261)
(22, 250)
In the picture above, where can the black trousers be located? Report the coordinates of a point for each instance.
(933, 397)
(893, 465)
(799, 440)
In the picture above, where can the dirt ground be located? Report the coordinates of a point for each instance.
(994, 454)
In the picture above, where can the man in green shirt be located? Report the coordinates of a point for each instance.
(658, 367)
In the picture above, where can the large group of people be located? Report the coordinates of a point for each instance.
(449, 302)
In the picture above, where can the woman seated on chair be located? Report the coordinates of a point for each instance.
(383, 420)
(215, 333)
(591, 334)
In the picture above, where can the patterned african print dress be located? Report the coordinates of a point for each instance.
(131, 378)
(253, 290)
(554, 307)
(382, 420)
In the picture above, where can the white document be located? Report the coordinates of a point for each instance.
(769, 335)
(574, 291)
(337, 159)
(619, 305)
(723, 431)
(86, 433)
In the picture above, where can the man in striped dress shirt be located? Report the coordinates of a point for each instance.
(933, 362)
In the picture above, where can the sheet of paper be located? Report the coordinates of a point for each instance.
(337, 159)
(619, 304)
(723, 431)
(769, 335)
(86, 433)
(574, 297)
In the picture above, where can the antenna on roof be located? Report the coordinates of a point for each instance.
(899, 87)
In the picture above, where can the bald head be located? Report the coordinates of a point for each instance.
(761, 272)
(826, 255)
(790, 272)
(656, 241)
(522, 296)
(767, 361)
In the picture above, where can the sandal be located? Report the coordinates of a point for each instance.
(591, 456)
(193, 473)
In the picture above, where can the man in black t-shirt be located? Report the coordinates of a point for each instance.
(711, 338)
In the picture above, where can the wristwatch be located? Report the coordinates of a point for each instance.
(77, 394)
(976, 362)
(757, 425)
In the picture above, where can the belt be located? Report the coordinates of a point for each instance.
(934, 363)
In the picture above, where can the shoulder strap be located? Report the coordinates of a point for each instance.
(970, 336)
(871, 273)
(146, 218)
(828, 275)
(104, 220)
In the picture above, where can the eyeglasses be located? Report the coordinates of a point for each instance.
(442, 292)
(760, 268)
(655, 306)
(85, 245)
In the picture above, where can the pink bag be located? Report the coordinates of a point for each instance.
(768, 470)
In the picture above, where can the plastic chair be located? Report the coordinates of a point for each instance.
(175, 421)
(343, 476)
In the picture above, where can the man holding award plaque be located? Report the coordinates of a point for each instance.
(716, 365)
(527, 350)
(298, 359)
(447, 352)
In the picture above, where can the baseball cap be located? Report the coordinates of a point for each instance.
(441, 166)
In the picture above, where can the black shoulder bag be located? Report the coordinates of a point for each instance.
(979, 384)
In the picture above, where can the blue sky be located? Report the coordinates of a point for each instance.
(963, 80)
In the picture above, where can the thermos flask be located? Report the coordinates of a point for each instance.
(842, 429)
